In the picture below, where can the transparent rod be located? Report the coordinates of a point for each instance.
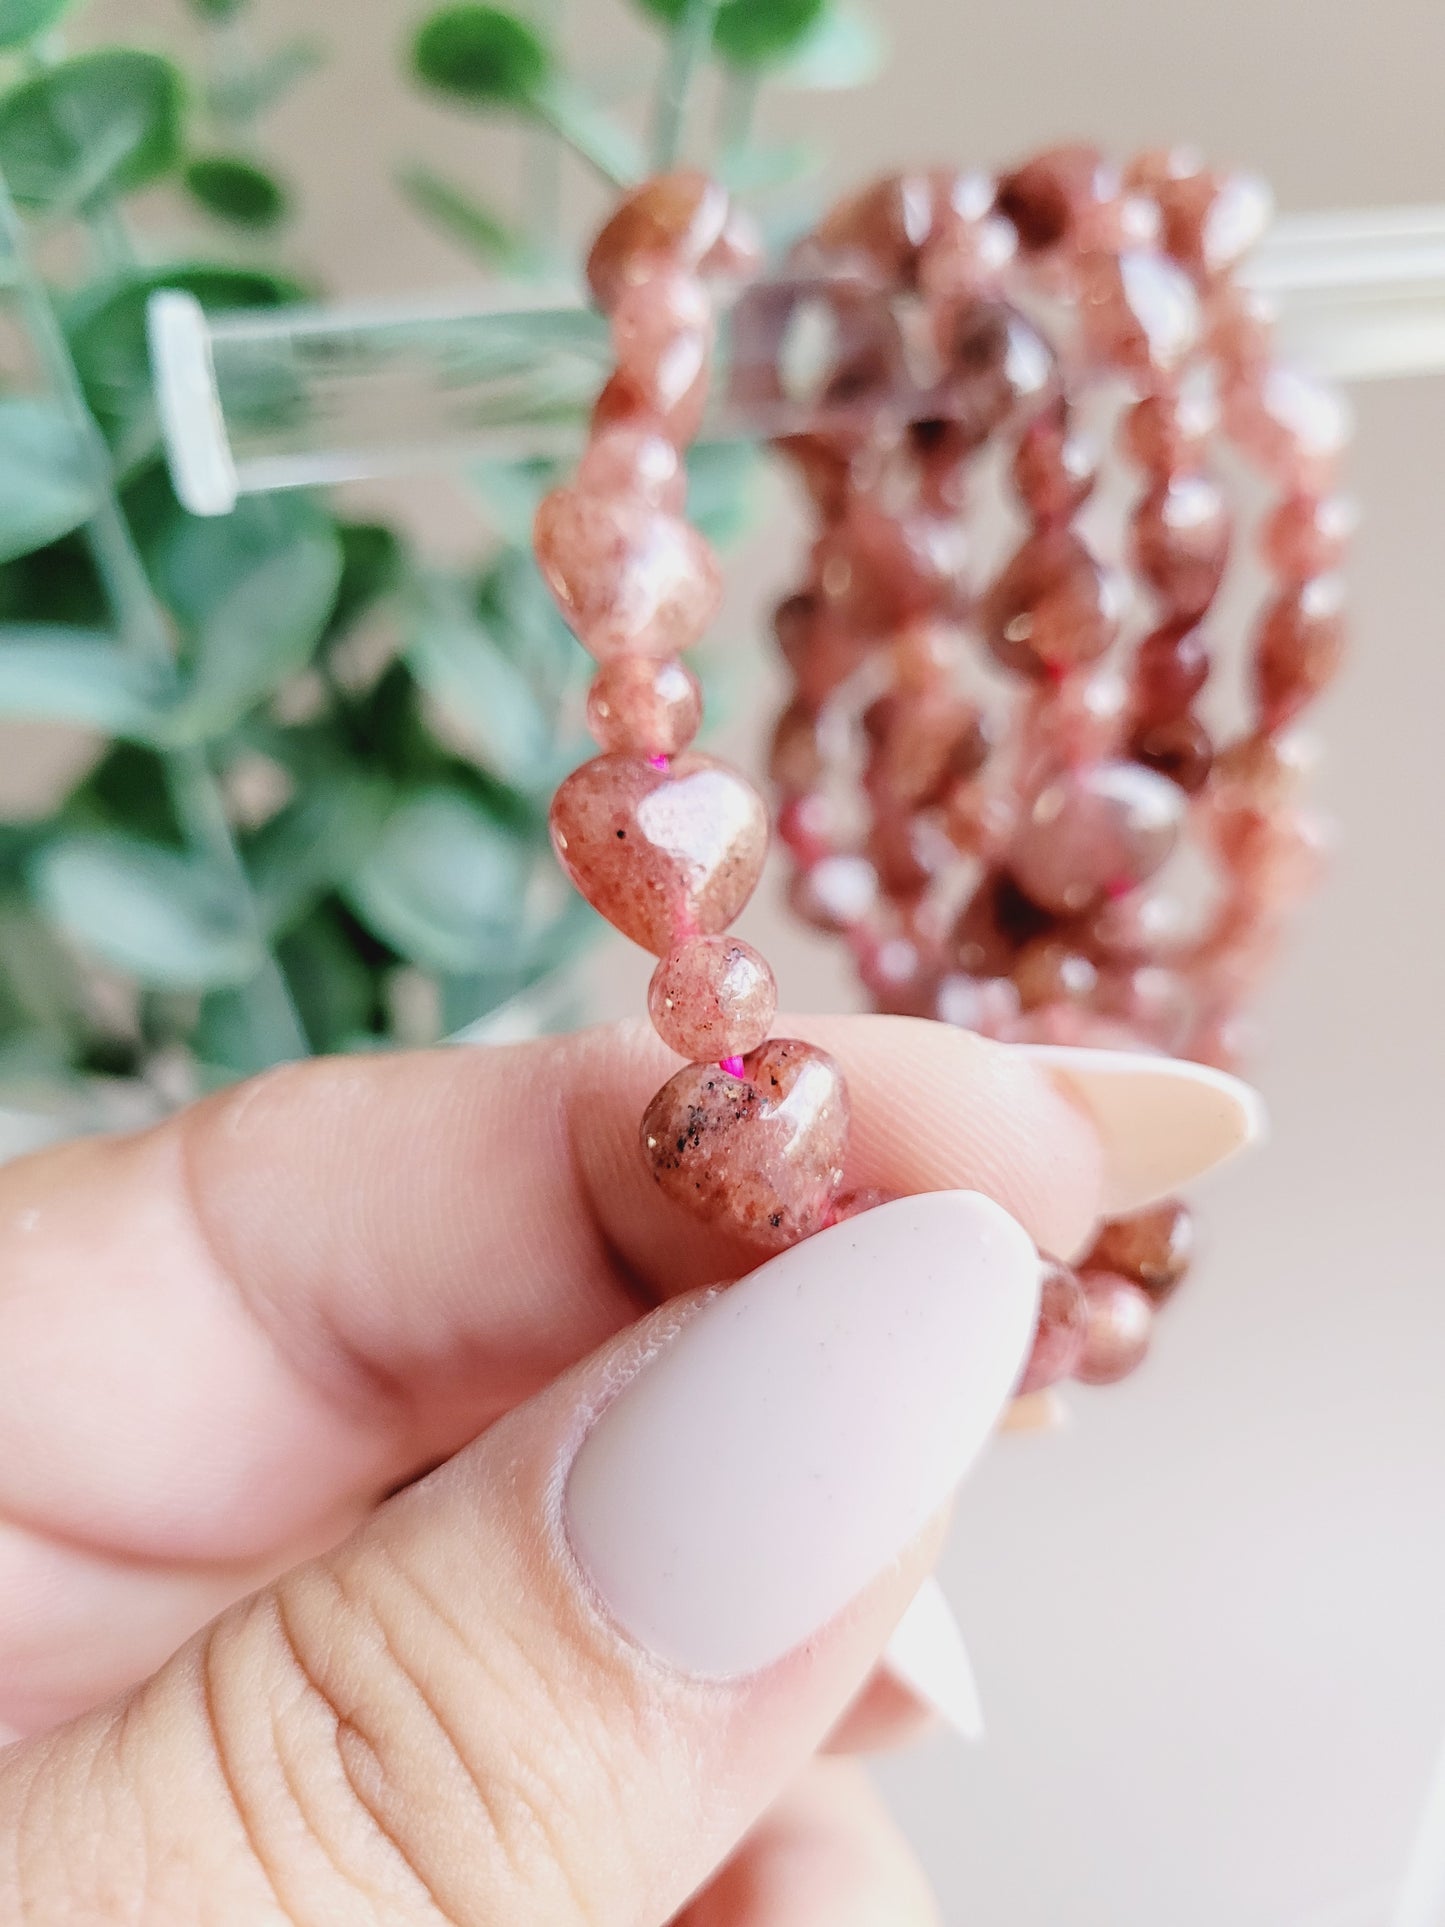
(294, 396)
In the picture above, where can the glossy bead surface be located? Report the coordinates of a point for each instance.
(1139, 313)
(1170, 668)
(1052, 608)
(672, 220)
(634, 703)
(629, 579)
(762, 1154)
(1060, 198)
(1168, 433)
(1154, 1248)
(662, 854)
(1119, 1327)
(634, 459)
(1307, 535)
(1181, 534)
(1094, 833)
(712, 997)
(1298, 649)
(1180, 748)
(995, 364)
(661, 335)
(1055, 468)
(1062, 1328)
(1292, 425)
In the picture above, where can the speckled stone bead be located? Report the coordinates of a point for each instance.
(712, 998)
(663, 854)
(630, 579)
(634, 703)
(762, 1152)
(1052, 608)
(672, 220)
(1095, 833)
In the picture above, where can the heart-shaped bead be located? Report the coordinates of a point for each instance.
(662, 852)
(761, 1153)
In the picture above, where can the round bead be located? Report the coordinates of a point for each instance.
(1054, 468)
(1169, 433)
(1093, 833)
(1120, 1325)
(652, 707)
(634, 459)
(1062, 1329)
(630, 579)
(1052, 609)
(1063, 197)
(1181, 749)
(1293, 426)
(711, 998)
(1154, 1248)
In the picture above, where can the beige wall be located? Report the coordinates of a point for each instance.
(1207, 1619)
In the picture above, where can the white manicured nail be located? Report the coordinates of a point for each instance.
(1162, 1121)
(927, 1656)
(801, 1429)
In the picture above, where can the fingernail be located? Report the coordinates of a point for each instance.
(801, 1430)
(1163, 1121)
(927, 1656)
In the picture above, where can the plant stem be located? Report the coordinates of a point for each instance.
(687, 50)
(593, 136)
(194, 788)
(735, 112)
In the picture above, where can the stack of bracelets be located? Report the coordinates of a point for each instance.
(978, 780)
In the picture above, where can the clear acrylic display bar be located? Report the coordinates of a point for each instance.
(288, 397)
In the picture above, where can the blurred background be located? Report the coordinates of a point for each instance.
(1205, 1615)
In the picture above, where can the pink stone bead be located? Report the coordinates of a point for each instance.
(808, 827)
(1240, 329)
(922, 747)
(852, 1204)
(1298, 649)
(1062, 1328)
(1170, 668)
(899, 976)
(1064, 197)
(1181, 534)
(1180, 748)
(626, 402)
(880, 570)
(795, 760)
(661, 336)
(1139, 313)
(671, 220)
(1095, 832)
(1307, 535)
(1169, 433)
(836, 892)
(1211, 220)
(1052, 609)
(882, 227)
(1051, 970)
(1292, 426)
(1153, 1248)
(760, 1155)
(629, 579)
(634, 459)
(711, 998)
(1120, 1326)
(988, 1005)
(1055, 468)
(654, 708)
(663, 854)
(996, 364)
(1154, 1005)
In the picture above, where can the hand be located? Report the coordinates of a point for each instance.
(225, 1341)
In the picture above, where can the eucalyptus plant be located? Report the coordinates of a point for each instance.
(314, 818)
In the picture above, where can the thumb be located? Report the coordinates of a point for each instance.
(558, 1679)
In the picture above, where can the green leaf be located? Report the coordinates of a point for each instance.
(126, 790)
(458, 214)
(49, 673)
(751, 33)
(147, 911)
(482, 55)
(46, 488)
(307, 848)
(106, 329)
(22, 20)
(55, 584)
(243, 94)
(443, 884)
(336, 992)
(515, 604)
(258, 598)
(237, 191)
(101, 123)
(462, 668)
(758, 170)
(372, 561)
(845, 47)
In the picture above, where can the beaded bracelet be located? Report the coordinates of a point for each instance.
(986, 826)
